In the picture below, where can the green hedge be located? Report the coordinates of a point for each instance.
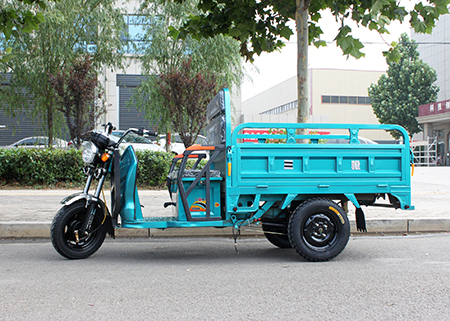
(48, 167)
(153, 168)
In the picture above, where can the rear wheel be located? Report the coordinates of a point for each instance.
(319, 229)
(277, 236)
(65, 226)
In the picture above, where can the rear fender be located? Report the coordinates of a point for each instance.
(88, 199)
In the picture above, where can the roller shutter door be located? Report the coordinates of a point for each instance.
(130, 116)
(16, 127)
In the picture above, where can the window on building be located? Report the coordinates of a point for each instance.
(343, 99)
(88, 45)
(133, 38)
(352, 100)
(346, 100)
(280, 109)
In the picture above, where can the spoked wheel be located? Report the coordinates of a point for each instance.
(319, 229)
(277, 236)
(65, 226)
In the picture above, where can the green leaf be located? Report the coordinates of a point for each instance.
(392, 55)
(441, 6)
(383, 20)
(379, 4)
(320, 43)
(373, 25)
(286, 32)
(419, 26)
(7, 33)
(40, 17)
(174, 33)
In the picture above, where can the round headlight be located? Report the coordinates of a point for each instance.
(89, 152)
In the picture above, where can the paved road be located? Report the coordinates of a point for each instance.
(375, 278)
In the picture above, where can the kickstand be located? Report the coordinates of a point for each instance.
(236, 234)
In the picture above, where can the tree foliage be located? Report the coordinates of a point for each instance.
(79, 97)
(17, 17)
(186, 95)
(72, 28)
(260, 26)
(409, 83)
(165, 53)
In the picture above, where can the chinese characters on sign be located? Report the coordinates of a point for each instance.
(434, 108)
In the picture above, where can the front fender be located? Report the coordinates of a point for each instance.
(83, 196)
(88, 199)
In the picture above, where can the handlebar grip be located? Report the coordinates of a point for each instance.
(142, 131)
(149, 132)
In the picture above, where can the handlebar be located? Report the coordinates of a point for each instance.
(141, 132)
(109, 127)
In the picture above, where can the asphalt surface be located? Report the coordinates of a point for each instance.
(374, 278)
(27, 213)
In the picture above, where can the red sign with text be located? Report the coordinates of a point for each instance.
(435, 108)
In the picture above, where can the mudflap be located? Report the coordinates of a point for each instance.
(109, 226)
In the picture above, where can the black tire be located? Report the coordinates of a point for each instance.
(277, 237)
(66, 221)
(319, 229)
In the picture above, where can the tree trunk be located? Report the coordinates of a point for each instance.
(50, 124)
(301, 19)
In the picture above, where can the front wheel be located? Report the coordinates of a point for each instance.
(319, 229)
(65, 226)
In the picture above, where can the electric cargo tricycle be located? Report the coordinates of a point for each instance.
(286, 177)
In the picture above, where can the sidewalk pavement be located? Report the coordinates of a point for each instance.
(26, 213)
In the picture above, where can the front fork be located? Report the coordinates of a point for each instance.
(91, 205)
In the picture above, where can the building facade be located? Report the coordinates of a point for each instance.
(336, 96)
(434, 118)
(434, 50)
(435, 121)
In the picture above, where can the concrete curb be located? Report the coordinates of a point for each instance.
(20, 229)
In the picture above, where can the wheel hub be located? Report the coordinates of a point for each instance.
(72, 232)
(319, 230)
(73, 236)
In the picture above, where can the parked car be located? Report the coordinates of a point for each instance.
(138, 142)
(38, 142)
(177, 146)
